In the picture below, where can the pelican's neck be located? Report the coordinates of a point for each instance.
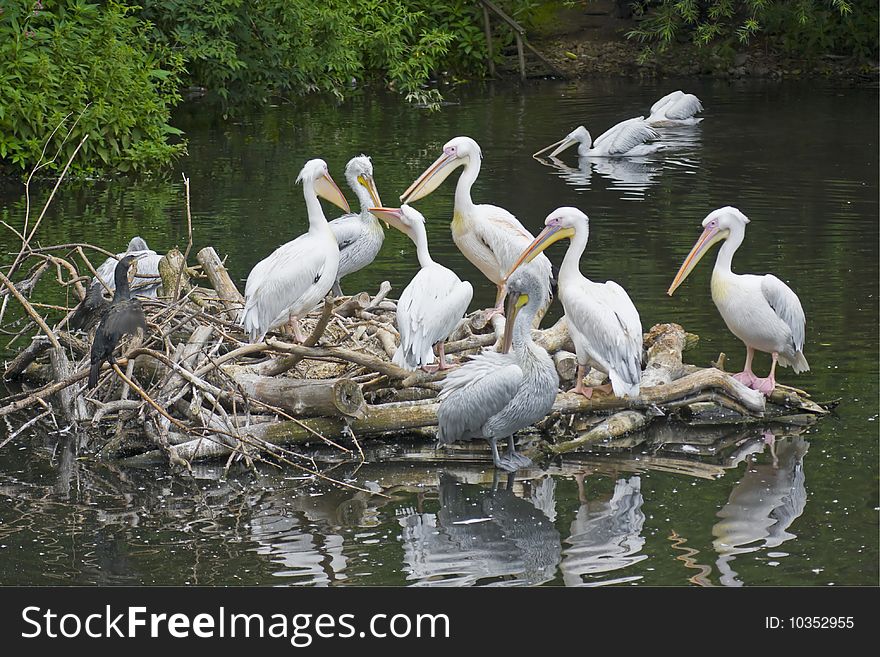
(317, 220)
(420, 239)
(463, 201)
(725, 253)
(585, 144)
(522, 329)
(363, 197)
(571, 262)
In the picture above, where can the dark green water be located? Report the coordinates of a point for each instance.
(799, 160)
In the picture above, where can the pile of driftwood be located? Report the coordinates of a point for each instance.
(193, 388)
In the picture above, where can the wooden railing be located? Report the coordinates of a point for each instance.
(520, 35)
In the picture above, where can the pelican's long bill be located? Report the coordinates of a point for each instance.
(370, 185)
(558, 146)
(392, 216)
(511, 309)
(432, 177)
(548, 236)
(711, 236)
(327, 189)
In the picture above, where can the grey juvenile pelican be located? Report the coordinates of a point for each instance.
(627, 138)
(762, 311)
(293, 280)
(489, 236)
(494, 395)
(433, 302)
(602, 320)
(359, 236)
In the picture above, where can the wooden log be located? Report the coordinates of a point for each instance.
(665, 344)
(73, 406)
(221, 282)
(173, 272)
(613, 427)
(566, 365)
(306, 397)
(39, 345)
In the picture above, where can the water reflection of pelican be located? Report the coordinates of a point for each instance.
(479, 536)
(762, 506)
(632, 175)
(605, 536)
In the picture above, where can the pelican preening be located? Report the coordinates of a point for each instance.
(146, 280)
(489, 236)
(494, 395)
(290, 282)
(762, 311)
(602, 320)
(124, 316)
(627, 138)
(434, 301)
(359, 236)
(677, 108)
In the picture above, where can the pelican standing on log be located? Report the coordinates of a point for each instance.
(762, 311)
(434, 301)
(489, 236)
(627, 138)
(677, 108)
(289, 283)
(494, 395)
(359, 236)
(602, 320)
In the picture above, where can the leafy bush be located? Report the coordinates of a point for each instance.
(72, 57)
(799, 27)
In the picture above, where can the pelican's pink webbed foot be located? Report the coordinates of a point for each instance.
(767, 386)
(746, 377)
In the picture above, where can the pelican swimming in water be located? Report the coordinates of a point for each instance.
(434, 301)
(489, 236)
(146, 282)
(602, 320)
(494, 395)
(359, 236)
(762, 311)
(677, 108)
(290, 282)
(627, 138)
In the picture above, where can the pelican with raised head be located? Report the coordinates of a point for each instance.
(289, 283)
(434, 301)
(762, 311)
(602, 320)
(489, 236)
(627, 138)
(360, 235)
(494, 395)
(677, 108)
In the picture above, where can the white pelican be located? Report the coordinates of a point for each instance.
(494, 395)
(433, 302)
(290, 282)
(602, 320)
(677, 108)
(489, 236)
(359, 236)
(146, 282)
(762, 311)
(627, 138)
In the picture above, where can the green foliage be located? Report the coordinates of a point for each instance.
(97, 63)
(805, 28)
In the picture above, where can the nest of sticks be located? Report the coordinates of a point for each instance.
(192, 388)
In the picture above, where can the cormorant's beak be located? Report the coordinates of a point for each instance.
(548, 236)
(558, 147)
(327, 189)
(514, 304)
(392, 216)
(432, 177)
(711, 236)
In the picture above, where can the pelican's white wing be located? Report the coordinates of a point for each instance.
(474, 393)
(605, 319)
(292, 280)
(683, 108)
(347, 229)
(787, 306)
(625, 136)
(429, 309)
(667, 99)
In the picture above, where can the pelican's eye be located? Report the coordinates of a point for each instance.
(449, 150)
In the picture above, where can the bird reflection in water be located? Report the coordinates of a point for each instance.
(762, 506)
(488, 536)
(605, 535)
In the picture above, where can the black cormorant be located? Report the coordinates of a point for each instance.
(124, 316)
